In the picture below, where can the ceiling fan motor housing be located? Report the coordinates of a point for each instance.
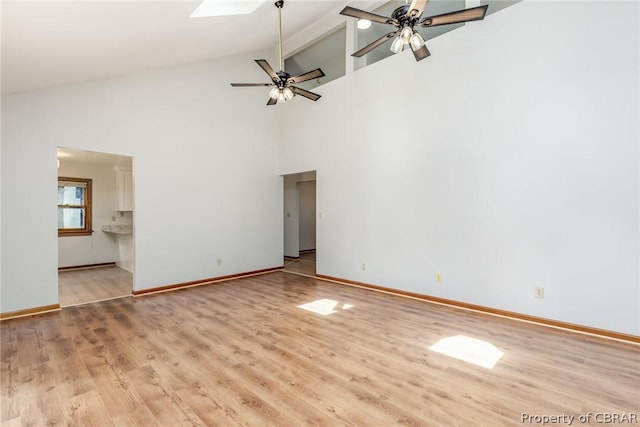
(400, 15)
(284, 77)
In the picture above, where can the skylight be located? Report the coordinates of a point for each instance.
(225, 8)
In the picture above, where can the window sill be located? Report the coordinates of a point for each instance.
(74, 233)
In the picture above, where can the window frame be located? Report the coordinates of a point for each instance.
(87, 230)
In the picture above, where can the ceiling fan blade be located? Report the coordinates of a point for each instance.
(368, 48)
(363, 14)
(267, 68)
(250, 84)
(465, 15)
(302, 92)
(416, 8)
(310, 75)
(272, 101)
(421, 53)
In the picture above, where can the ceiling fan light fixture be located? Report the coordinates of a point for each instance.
(287, 93)
(273, 93)
(363, 24)
(405, 18)
(397, 46)
(406, 34)
(416, 41)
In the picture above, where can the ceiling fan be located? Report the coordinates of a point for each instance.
(404, 18)
(282, 82)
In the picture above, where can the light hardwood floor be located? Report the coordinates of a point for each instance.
(93, 284)
(243, 353)
(305, 265)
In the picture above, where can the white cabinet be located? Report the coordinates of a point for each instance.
(124, 187)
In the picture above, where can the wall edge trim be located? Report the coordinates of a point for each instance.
(80, 267)
(572, 327)
(201, 282)
(30, 312)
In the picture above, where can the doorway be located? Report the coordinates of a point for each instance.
(95, 226)
(300, 223)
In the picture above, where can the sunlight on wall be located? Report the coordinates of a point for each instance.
(325, 306)
(472, 350)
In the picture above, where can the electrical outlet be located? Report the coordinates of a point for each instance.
(438, 277)
(538, 292)
(364, 267)
(219, 262)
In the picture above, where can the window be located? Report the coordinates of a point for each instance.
(496, 5)
(327, 53)
(74, 207)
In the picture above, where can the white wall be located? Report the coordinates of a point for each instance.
(125, 245)
(507, 160)
(206, 183)
(307, 209)
(291, 217)
(100, 247)
(292, 211)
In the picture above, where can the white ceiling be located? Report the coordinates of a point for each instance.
(90, 157)
(51, 42)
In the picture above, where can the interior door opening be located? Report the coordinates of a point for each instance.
(300, 213)
(95, 226)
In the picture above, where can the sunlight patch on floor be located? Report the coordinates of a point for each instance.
(471, 350)
(325, 306)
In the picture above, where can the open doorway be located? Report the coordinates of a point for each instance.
(95, 226)
(300, 223)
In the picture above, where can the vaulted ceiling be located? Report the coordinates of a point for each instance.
(51, 43)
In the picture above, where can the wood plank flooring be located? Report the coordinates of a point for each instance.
(305, 265)
(93, 284)
(243, 353)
